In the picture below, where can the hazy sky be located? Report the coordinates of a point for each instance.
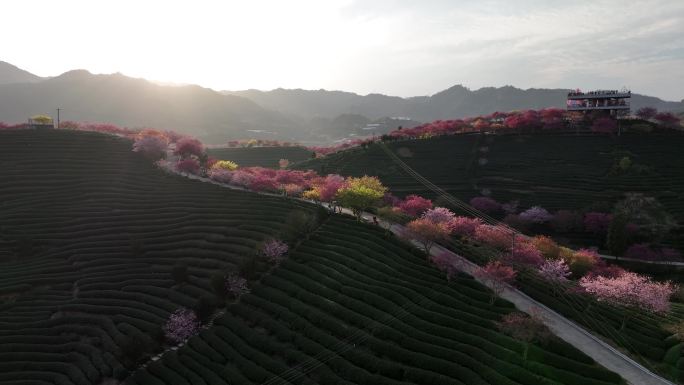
(397, 47)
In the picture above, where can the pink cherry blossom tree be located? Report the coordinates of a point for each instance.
(274, 251)
(597, 223)
(181, 325)
(465, 226)
(524, 254)
(415, 205)
(631, 290)
(447, 262)
(331, 185)
(152, 147)
(186, 147)
(536, 214)
(555, 271)
(524, 328)
(426, 233)
(497, 237)
(486, 205)
(496, 276)
(236, 285)
(188, 165)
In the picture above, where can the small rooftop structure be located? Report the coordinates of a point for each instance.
(614, 102)
(41, 121)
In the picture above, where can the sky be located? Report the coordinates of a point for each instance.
(395, 47)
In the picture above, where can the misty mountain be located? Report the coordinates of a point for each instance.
(131, 102)
(11, 74)
(455, 102)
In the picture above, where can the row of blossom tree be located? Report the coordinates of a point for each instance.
(435, 224)
(550, 119)
(562, 267)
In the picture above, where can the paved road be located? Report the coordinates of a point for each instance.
(607, 356)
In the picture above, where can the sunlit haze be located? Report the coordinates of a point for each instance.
(394, 47)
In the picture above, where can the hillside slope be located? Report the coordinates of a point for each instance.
(11, 74)
(91, 232)
(553, 171)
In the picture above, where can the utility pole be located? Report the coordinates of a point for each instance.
(58, 110)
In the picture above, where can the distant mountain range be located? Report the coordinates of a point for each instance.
(455, 102)
(215, 117)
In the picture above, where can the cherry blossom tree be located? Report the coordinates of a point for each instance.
(555, 271)
(597, 223)
(582, 261)
(524, 328)
(464, 226)
(188, 165)
(547, 246)
(439, 215)
(274, 251)
(236, 285)
(646, 113)
(283, 163)
(496, 276)
(152, 147)
(498, 237)
(186, 147)
(486, 205)
(331, 185)
(523, 253)
(361, 193)
(448, 262)
(631, 290)
(181, 325)
(667, 119)
(415, 205)
(426, 233)
(220, 175)
(536, 214)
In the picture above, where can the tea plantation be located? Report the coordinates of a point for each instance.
(261, 156)
(90, 233)
(353, 307)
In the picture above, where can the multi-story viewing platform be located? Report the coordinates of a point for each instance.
(612, 101)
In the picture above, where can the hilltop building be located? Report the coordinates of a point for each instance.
(41, 121)
(613, 102)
